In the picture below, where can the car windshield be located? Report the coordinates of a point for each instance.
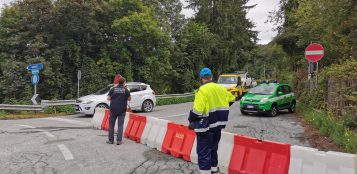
(103, 90)
(227, 80)
(264, 89)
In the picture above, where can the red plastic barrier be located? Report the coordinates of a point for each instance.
(105, 122)
(178, 141)
(135, 127)
(252, 156)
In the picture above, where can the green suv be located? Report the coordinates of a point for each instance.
(268, 98)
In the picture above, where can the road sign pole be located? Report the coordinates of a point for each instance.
(317, 69)
(78, 90)
(35, 89)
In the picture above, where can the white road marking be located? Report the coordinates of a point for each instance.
(48, 134)
(28, 126)
(314, 52)
(81, 123)
(65, 152)
(174, 115)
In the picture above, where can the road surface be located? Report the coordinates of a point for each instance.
(70, 145)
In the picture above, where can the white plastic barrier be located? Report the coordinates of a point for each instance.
(157, 134)
(306, 160)
(151, 123)
(98, 118)
(225, 150)
(126, 120)
(193, 156)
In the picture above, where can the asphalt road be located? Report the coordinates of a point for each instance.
(70, 145)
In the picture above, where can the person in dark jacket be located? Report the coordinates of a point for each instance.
(118, 97)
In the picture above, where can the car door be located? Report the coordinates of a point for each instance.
(135, 96)
(288, 95)
(280, 97)
(286, 98)
(248, 80)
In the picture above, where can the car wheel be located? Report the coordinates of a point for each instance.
(273, 111)
(147, 106)
(292, 107)
(243, 113)
(102, 105)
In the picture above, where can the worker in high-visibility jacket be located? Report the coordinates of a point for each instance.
(208, 116)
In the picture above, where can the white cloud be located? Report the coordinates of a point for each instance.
(259, 15)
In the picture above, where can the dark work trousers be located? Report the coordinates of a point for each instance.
(113, 117)
(207, 146)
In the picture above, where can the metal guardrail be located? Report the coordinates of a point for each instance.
(21, 107)
(175, 95)
(46, 103)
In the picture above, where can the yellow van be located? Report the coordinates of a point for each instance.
(233, 83)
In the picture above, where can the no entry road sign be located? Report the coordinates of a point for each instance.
(314, 52)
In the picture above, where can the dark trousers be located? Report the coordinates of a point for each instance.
(113, 117)
(207, 146)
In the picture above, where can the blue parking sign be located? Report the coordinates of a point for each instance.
(35, 78)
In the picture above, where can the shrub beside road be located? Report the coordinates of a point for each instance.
(48, 112)
(337, 130)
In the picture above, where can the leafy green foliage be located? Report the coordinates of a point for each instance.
(332, 127)
(148, 41)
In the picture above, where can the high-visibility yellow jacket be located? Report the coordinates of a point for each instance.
(210, 108)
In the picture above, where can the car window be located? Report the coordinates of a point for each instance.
(286, 89)
(134, 88)
(264, 89)
(281, 89)
(227, 80)
(143, 87)
(248, 76)
(103, 90)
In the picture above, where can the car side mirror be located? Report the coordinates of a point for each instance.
(280, 93)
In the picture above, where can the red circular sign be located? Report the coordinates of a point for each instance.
(314, 52)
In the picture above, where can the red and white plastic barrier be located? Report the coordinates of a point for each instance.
(236, 153)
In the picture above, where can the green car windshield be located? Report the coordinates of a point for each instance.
(263, 90)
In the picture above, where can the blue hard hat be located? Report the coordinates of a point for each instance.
(205, 72)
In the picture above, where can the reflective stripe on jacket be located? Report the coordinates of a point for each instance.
(210, 108)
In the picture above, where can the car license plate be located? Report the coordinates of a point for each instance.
(250, 106)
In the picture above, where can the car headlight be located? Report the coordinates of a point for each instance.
(264, 100)
(88, 101)
(243, 98)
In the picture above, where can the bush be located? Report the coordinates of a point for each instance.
(68, 109)
(174, 100)
(328, 125)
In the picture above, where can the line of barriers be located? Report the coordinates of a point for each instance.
(237, 154)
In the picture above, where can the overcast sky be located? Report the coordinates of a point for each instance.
(258, 15)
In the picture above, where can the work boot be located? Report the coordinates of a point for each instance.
(119, 142)
(109, 142)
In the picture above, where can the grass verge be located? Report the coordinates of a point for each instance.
(48, 112)
(332, 127)
(174, 100)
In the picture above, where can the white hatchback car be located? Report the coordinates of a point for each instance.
(142, 99)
